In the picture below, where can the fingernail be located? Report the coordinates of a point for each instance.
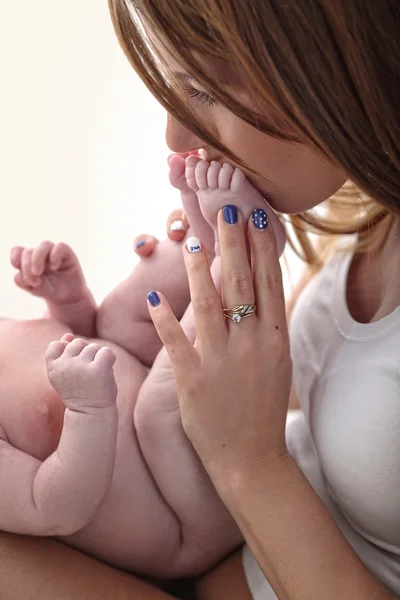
(260, 218)
(141, 244)
(153, 298)
(230, 214)
(193, 245)
(177, 226)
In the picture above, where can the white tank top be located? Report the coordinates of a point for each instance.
(347, 441)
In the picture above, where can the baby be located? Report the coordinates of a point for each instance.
(91, 445)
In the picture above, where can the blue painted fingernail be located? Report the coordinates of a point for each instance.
(230, 214)
(153, 298)
(260, 218)
(141, 244)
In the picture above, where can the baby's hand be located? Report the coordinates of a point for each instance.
(82, 373)
(50, 271)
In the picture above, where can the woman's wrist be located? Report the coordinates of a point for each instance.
(288, 528)
(254, 474)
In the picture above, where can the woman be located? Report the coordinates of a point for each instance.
(304, 97)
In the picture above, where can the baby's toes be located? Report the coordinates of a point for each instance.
(190, 172)
(201, 174)
(105, 357)
(225, 176)
(237, 182)
(213, 174)
(177, 177)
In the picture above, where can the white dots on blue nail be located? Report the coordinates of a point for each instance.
(260, 218)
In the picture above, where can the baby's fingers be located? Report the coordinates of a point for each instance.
(40, 256)
(15, 256)
(180, 351)
(26, 268)
(61, 253)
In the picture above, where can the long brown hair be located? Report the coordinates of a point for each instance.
(330, 71)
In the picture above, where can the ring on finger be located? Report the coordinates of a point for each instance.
(240, 312)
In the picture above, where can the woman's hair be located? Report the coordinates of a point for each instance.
(325, 73)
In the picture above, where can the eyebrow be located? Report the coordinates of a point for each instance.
(222, 75)
(182, 76)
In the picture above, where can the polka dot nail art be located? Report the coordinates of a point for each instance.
(260, 218)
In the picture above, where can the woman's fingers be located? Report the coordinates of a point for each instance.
(236, 276)
(210, 325)
(267, 273)
(177, 225)
(180, 351)
(144, 245)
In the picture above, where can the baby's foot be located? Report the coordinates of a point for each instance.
(82, 373)
(219, 185)
(50, 271)
(198, 225)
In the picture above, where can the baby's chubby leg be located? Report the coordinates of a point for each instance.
(205, 522)
(62, 494)
(123, 316)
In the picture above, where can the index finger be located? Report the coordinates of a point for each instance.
(177, 225)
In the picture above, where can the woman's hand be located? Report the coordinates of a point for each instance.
(234, 383)
(177, 227)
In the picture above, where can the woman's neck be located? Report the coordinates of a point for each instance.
(373, 287)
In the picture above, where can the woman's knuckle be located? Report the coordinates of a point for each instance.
(167, 330)
(233, 241)
(240, 282)
(194, 267)
(279, 344)
(272, 280)
(204, 304)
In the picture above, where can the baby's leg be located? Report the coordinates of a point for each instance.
(123, 316)
(52, 272)
(157, 418)
(63, 493)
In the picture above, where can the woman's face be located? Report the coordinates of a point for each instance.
(293, 178)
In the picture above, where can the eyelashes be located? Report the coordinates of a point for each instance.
(202, 97)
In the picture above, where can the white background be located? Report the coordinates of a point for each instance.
(82, 150)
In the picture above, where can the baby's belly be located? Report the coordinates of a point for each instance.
(31, 412)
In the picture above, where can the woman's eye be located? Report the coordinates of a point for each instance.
(202, 97)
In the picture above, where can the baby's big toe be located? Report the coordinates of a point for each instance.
(177, 176)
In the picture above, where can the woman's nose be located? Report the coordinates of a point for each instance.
(179, 139)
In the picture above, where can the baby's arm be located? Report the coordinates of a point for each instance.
(52, 272)
(62, 494)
